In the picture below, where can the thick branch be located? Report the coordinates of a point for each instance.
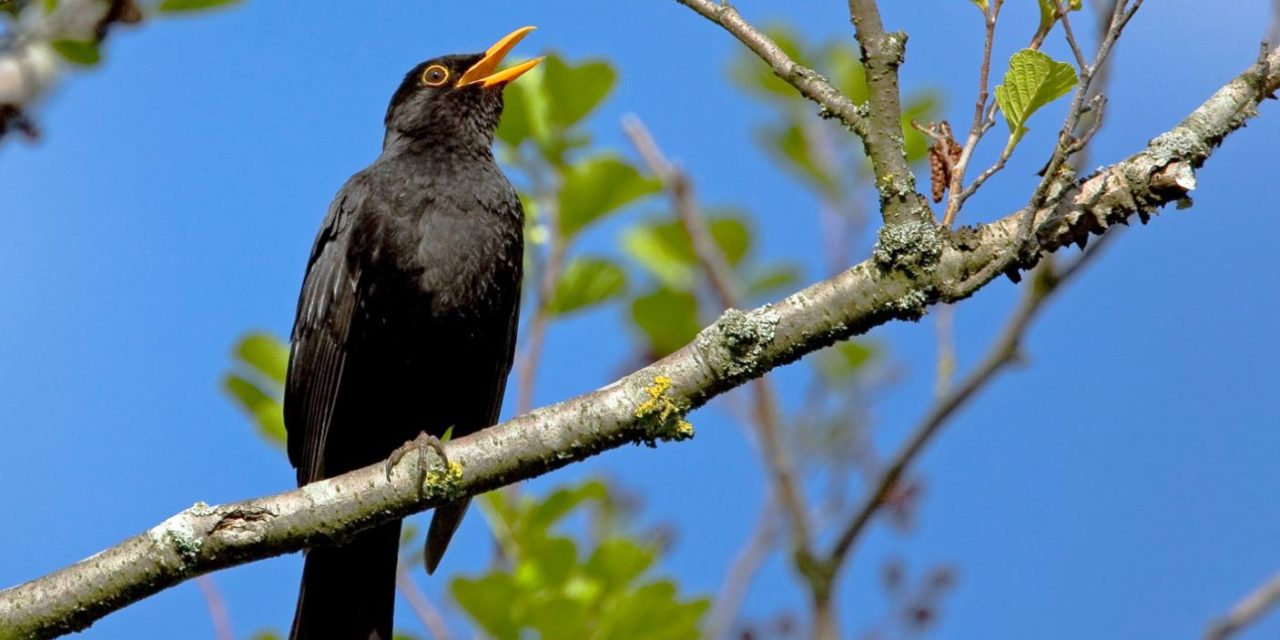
(882, 54)
(646, 405)
(805, 80)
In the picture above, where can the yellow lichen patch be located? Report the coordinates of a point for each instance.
(663, 407)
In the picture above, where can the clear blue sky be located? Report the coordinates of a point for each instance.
(1121, 486)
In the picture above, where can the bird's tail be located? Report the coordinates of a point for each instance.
(348, 592)
(444, 521)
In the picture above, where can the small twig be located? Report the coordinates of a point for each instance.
(421, 606)
(1063, 10)
(719, 273)
(217, 608)
(535, 333)
(1248, 611)
(809, 83)
(1003, 352)
(979, 126)
(1119, 19)
(766, 414)
(742, 571)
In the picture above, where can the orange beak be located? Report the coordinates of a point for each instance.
(485, 71)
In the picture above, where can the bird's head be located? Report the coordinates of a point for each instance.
(456, 99)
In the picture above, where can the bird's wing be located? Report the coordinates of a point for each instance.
(326, 309)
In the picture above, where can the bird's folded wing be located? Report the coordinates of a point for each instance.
(326, 309)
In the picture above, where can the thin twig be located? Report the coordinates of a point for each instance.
(1248, 611)
(217, 608)
(808, 82)
(535, 333)
(1003, 352)
(742, 571)
(764, 403)
(421, 606)
(977, 129)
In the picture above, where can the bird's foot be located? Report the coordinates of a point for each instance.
(422, 443)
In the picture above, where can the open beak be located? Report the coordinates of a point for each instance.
(485, 71)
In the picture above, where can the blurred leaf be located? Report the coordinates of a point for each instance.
(982, 4)
(550, 510)
(264, 409)
(488, 601)
(789, 144)
(560, 617)
(840, 362)
(598, 186)
(668, 318)
(1032, 81)
(575, 90)
(655, 609)
(266, 354)
(50, 6)
(84, 52)
(587, 282)
(265, 635)
(846, 70)
(921, 108)
(756, 76)
(400, 634)
(548, 561)
(176, 6)
(1049, 14)
(665, 250)
(616, 562)
(772, 278)
(526, 112)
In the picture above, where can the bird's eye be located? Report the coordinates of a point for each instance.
(434, 75)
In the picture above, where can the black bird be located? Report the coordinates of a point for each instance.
(406, 324)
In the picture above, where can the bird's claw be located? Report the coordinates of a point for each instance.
(421, 444)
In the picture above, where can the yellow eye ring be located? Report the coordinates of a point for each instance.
(435, 75)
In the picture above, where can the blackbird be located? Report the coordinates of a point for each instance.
(406, 323)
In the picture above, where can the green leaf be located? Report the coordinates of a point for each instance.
(982, 4)
(178, 6)
(266, 354)
(526, 113)
(1032, 81)
(754, 75)
(560, 617)
(50, 6)
(598, 186)
(587, 282)
(840, 362)
(547, 562)
(263, 408)
(617, 562)
(489, 602)
(575, 90)
(847, 73)
(789, 144)
(665, 250)
(668, 318)
(562, 501)
(83, 52)
(920, 107)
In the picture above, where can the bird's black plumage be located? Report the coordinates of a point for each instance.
(406, 324)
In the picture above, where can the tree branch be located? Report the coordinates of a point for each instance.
(909, 272)
(882, 54)
(1255, 605)
(807, 81)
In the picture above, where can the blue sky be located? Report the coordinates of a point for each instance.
(1121, 485)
